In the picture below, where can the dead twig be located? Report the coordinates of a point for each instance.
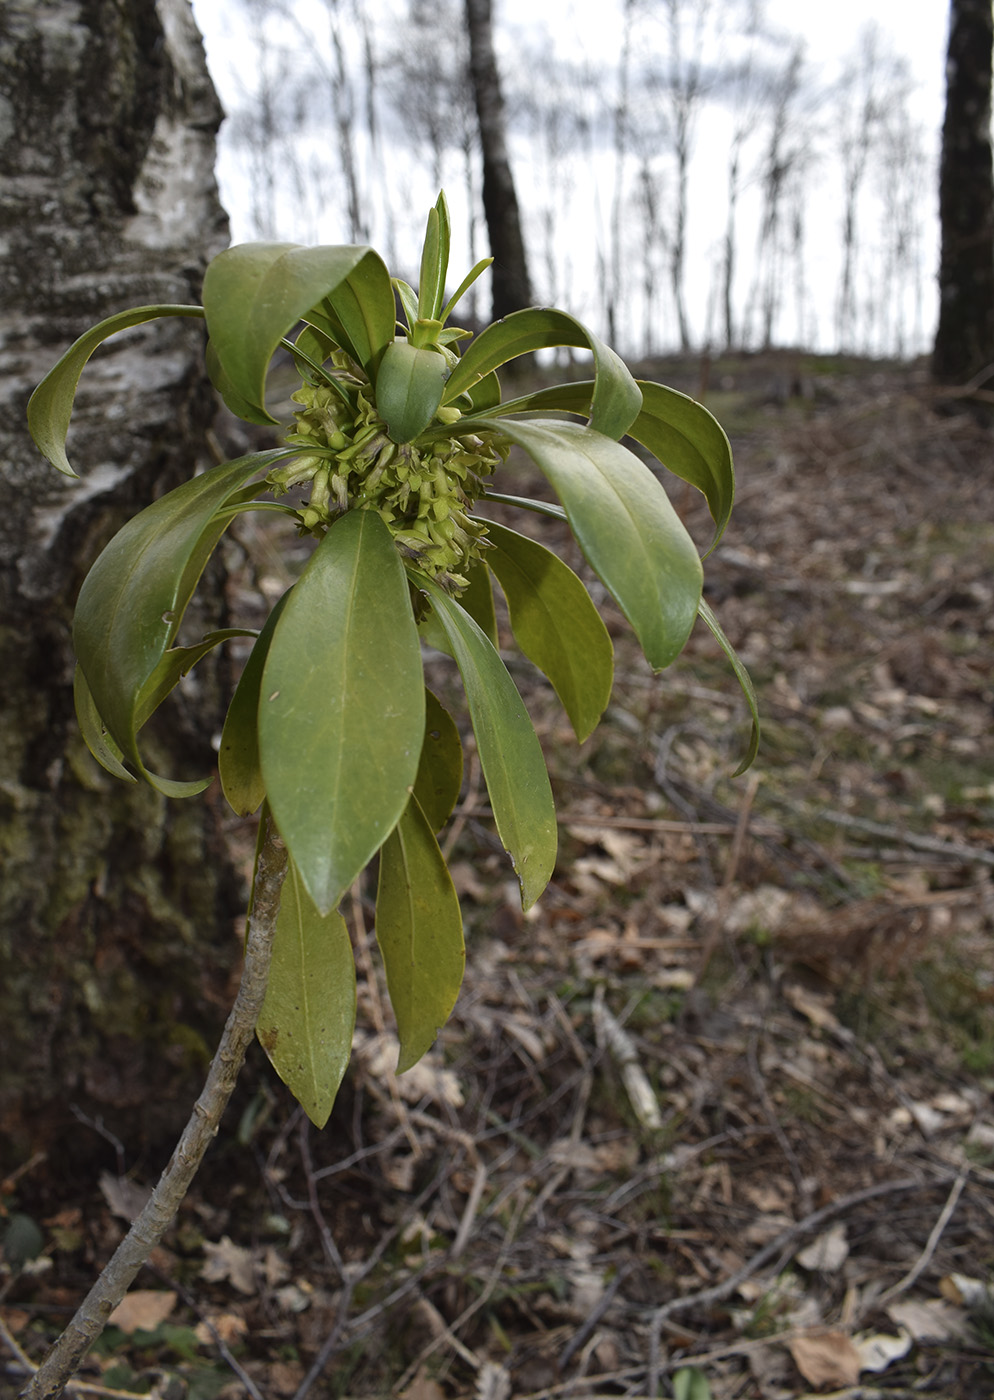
(953, 850)
(932, 1243)
(611, 1036)
(593, 1317)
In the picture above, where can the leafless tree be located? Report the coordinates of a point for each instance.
(964, 342)
(781, 168)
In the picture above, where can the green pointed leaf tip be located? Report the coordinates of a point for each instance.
(342, 708)
(623, 521)
(420, 934)
(556, 625)
(744, 680)
(510, 754)
(308, 1017)
(616, 398)
(50, 406)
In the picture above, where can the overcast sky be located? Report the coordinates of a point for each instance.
(591, 30)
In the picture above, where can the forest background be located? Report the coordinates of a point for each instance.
(771, 175)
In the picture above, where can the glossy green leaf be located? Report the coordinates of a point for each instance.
(478, 599)
(308, 1017)
(50, 406)
(616, 398)
(95, 735)
(409, 385)
(434, 262)
(238, 762)
(439, 778)
(133, 599)
(408, 299)
(109, 756)
(419, 930)
(510, 754)
(556, 625)
(255, 293)
(485, 394)
(744, 680)
(175, 664)
(622, 519)
(341, 716)
(677, 430)
(475, 271)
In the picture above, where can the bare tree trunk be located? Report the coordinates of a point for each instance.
(964, 342)
(115, 906)
(511, 283)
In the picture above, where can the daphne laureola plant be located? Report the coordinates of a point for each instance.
(399, 432)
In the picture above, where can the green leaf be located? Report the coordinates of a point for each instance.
(555, 624)
(510, 754)
(255, 293)
(690, 1384)
(692, 444)
(175, 664)
(409, 385)
(616, 398)
(408, 299)
(133, 599)
(744, 680)
(341, 717)
(677, 430)
(95, 735)
(238, 762)
(629, 532)
(419, 930)
(50, 406)
(439, 778)
(434, 262)
(476, 271)
(478, 599)
(307, 1019)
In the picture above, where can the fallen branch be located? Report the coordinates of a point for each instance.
(954, 850)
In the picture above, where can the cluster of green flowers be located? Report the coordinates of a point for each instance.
(423, 490)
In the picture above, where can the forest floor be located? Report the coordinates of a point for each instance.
(715, 1119)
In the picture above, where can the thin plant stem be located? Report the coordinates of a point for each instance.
(55, 1372)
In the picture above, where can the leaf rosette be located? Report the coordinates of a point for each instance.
(396, 433)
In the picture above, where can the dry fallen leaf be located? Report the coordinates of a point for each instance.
(143, 1310)
(422, 1387)
(229, 1327)
(966, 1292)
(826, 1358)
(229, 1261)
(828, 1252)
(934, 1320)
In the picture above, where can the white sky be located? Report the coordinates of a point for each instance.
(591, 28)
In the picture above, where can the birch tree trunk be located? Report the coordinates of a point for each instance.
(511, 283)
(116, 907)
(964, 342)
